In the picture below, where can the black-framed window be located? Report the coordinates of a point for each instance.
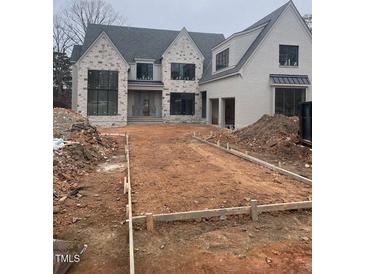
(102, 95)
(287, 100)
(181, 71)
(288, 55)
(144, 71)
(182, 103)
(222, 59)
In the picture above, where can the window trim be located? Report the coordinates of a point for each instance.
(227, 61)
(291, 66)
(182, 70)
(147, 63)
(99, 90)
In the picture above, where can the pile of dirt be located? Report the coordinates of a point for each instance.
(83, 150)
(274, 135)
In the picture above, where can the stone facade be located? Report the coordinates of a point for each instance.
(102, 55)
(182, 50)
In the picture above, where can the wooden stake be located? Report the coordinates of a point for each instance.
(127, 211)
(125, 185)
(149, 222)
(254, 213)
(228, 146)
(218, 143)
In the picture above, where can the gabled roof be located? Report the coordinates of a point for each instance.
(268, 21)
(76, 53)
(145, 43)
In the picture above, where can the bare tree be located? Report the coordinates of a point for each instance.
(308, 20)
(79, 13)
(61, 41)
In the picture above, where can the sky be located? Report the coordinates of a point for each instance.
(215, 16)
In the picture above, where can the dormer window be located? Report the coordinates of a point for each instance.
(288, 55)
(144, 71)
(222, 59)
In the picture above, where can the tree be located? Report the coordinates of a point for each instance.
(61, 41)
(61, 80)
(79, 13)
(308, 20)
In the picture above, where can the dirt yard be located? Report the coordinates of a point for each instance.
(277, 243)
(171, 172)
(95, 217)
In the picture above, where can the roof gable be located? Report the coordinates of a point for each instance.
(147, 43)
(181, 33)
(268, 22)
(103, 34)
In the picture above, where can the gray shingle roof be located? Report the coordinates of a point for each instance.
(146, 43)
(269, 20)
(285, 79)
(76, 53)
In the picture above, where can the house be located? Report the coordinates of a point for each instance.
(125, 74)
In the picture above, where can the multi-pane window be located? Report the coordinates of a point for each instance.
(222, 59)
(102, 95)
(144, 71)
(288, 55)
(287, 100)
(182, 103)
(182, 71)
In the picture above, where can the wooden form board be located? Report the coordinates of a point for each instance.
(129, 208)
(257, 161)
(208, 213)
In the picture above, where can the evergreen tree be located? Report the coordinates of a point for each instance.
(62, 80)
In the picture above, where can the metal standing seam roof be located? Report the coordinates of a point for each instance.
(143, 42)
(285, 79)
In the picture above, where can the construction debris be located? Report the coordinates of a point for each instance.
(274, 137)
(79, 148)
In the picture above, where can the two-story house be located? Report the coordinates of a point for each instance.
(126, 74)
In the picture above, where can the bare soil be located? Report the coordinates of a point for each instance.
(277, 243)
(273, 139)
(95, 216)
(172, 172)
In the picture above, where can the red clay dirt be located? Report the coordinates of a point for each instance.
(277, 243)
(172, 172)
(96, 215)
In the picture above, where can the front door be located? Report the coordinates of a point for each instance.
(146, 107)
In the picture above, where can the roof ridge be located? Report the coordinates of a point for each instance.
(143, 28)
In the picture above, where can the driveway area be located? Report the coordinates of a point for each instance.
(171, 172)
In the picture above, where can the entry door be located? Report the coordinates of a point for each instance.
(146, 107)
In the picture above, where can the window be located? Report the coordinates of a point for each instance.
(287, 100)
(182, 103)
(144, 71)
(182, 71)
(102, 96)
(288, 55)
(204, 104)
(221, 59)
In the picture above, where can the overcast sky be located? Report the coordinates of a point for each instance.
(217, 16)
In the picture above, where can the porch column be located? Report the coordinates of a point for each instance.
(209, 111)
(221, 113)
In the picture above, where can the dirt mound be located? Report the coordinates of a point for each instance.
(83, 150)
(273, 135)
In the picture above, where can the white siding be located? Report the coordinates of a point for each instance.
(237, 45)
(252, 90)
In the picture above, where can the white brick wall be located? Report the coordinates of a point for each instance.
(181, 51)
(102, 55)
